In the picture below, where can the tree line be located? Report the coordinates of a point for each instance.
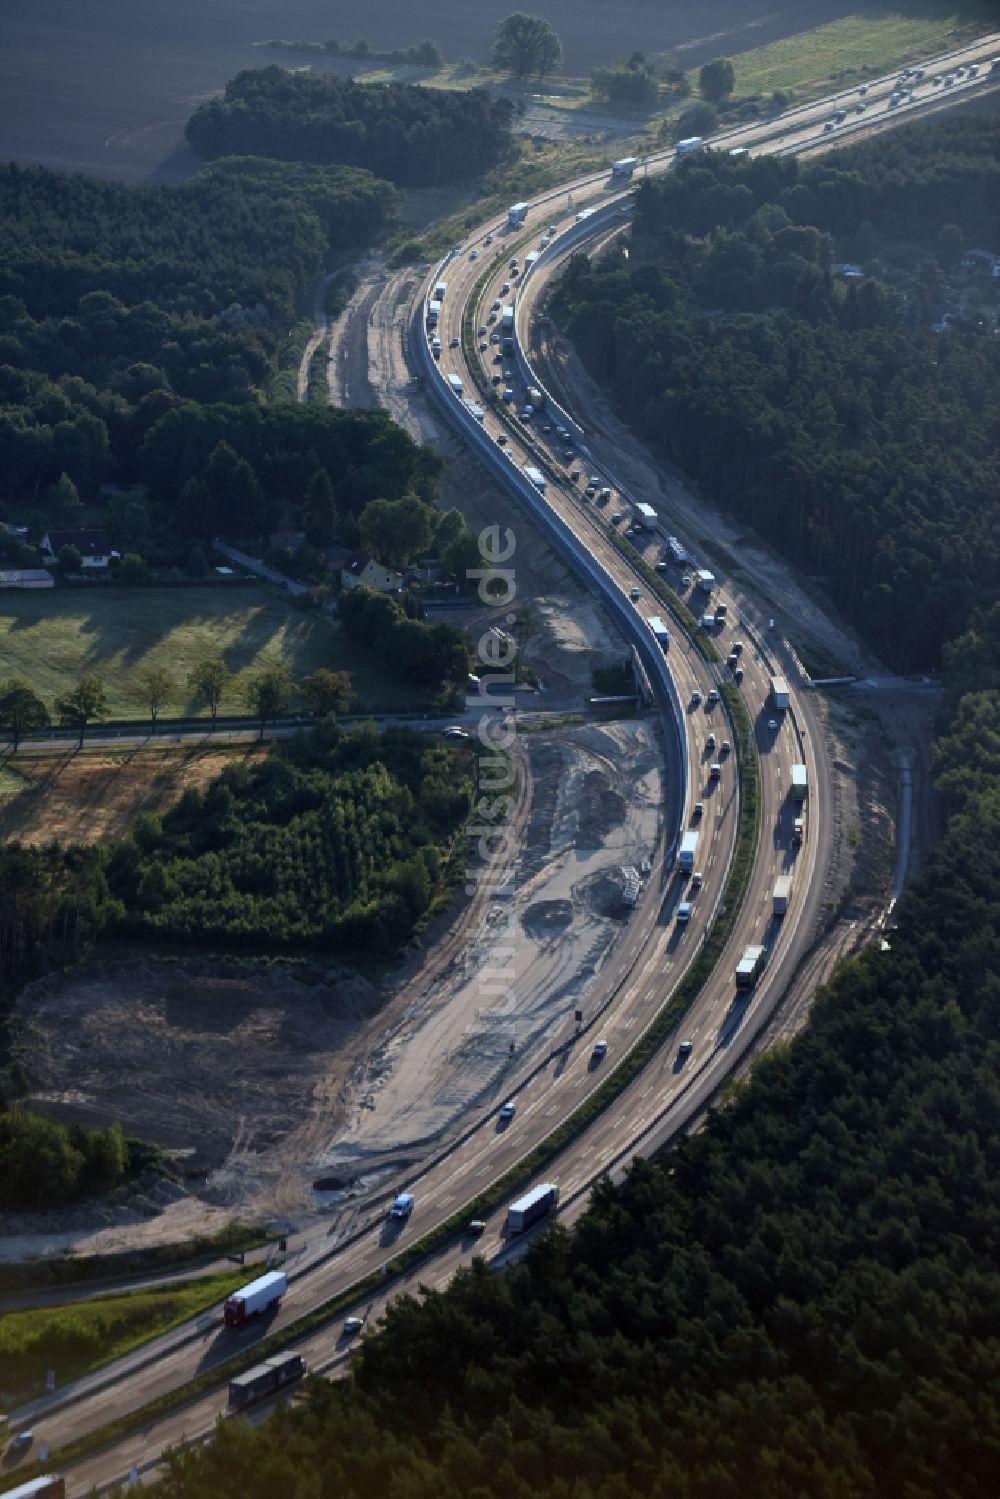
(829, 415)
(413, 136)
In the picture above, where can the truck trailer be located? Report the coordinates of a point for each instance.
(646, 516)
(532, 1207)
(750, 967)
(659, 631)
(687, 851)
(263, 1379)
(535, 477)
(255, 1297)
(47, 1486)
(779, 692)
(800, 783)
(782, 894)
(455, 381)
(516, 215)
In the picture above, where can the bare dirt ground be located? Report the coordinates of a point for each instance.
(266, 1078)
(92, 797)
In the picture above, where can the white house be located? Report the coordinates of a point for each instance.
(364, 569)
(93, 546)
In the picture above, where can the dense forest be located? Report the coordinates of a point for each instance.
(140, 330)
(337, 841)
(800, 1300)
(414, 136)
(831, 415)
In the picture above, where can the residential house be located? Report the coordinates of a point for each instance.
(93, 546)
(364, 569)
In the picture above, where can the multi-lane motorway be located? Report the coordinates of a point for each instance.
(647, 964)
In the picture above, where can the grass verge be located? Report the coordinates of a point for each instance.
(75, 1339)
(285, 385)
(856, 47)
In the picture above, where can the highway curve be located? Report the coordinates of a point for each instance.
(641, 971)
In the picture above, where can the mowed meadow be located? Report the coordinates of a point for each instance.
(50, 638)
(107, 86)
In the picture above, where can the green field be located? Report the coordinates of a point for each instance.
(860, 46)
(51, 637)
(77, 1337)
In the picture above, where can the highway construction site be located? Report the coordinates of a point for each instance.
(265, 1079)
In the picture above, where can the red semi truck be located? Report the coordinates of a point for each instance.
(252, 1299)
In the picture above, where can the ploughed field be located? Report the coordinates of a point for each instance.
(107, 86)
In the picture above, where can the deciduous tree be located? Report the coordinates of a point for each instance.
(525, 45)
(209, 683)
(716, 80)
(155, 685)
(267, 693)
(21, 710)
(85, 704)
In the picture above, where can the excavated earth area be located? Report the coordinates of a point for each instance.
(268, 1078)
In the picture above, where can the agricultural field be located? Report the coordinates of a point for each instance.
(95, 795)
(107, 88)
(77, 1337)
(51, 638)
(856, 47)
